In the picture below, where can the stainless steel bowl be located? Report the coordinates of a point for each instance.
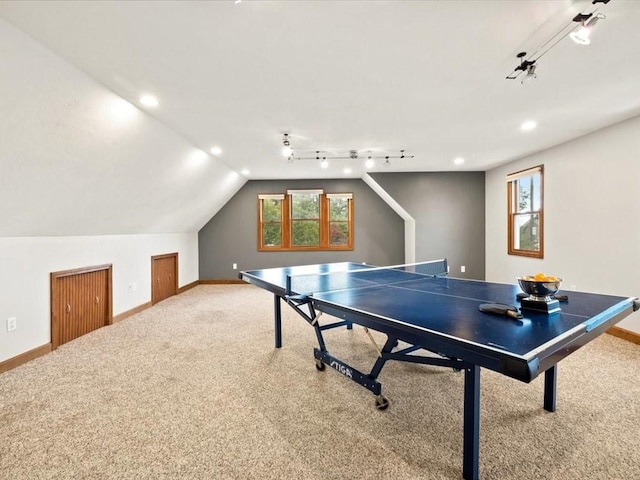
(539, 289)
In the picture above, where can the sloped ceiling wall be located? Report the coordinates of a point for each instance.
(76, 159)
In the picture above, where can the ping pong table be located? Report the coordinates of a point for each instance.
(430, 318)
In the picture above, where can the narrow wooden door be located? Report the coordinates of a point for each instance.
(80, 302)
(164, 276)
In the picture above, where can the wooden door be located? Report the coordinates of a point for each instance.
(164, 276)
(81, 301)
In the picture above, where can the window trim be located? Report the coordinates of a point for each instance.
(288, 240)
(327, 224)
(511, 214)
(261, 197)
(287, 222)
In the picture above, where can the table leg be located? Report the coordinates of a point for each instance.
(471, 440)
(277, 314)
(550, 377)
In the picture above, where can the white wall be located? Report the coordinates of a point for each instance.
(592, 215)
(76, 159)
(25, 264)
(88, 178)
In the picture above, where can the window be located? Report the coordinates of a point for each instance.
(339, 219)
(271, 220)
(305, 220)
(525, 218)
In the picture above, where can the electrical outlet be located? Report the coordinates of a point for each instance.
(235, 266)
(133, 287)
(573, 288)
(463, 269)
(11, 324)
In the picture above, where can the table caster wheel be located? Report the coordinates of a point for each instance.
(319, 365)
(381, 403)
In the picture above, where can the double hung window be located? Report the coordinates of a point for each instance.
(526, 213)
(305, 220)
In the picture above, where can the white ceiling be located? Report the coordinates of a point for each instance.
(424, 76)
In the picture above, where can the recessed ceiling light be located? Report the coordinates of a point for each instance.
(287, 151)
(121, 111)
(245, 171)
(324, 163)
(458, 160)
(149, 101)
(197, 158)
(369, 163)
(216, 150)
(347, 171)
(528, 125)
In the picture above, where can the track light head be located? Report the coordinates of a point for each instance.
(531, 74)
(369, 163)
(525, 66)
(581, 36)
(287, 151)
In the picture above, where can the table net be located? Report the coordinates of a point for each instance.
(308, 284)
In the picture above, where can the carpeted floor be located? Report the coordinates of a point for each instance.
(193, 388)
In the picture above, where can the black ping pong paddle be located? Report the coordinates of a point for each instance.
(501, 309)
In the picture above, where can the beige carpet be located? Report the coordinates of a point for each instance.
(193, 388)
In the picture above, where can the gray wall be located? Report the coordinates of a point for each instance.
(449, 210)
(231, 235)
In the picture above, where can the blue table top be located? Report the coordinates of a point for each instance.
(450, 307)
(442, 306)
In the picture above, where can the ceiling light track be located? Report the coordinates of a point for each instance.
(323, 156)
(578, 29)
(351, 155)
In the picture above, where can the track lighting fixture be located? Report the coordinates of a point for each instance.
(586, 20)
(370, 162)
(528, 66)
(581, 36)
(323, 157)
(531, 74)
(287, 151)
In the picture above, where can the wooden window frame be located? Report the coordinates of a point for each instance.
(327, 203)
(321, 220)
(284, 225)
(324, 220)
(512, 213)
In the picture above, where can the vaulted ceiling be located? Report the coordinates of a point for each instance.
(427, 77)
